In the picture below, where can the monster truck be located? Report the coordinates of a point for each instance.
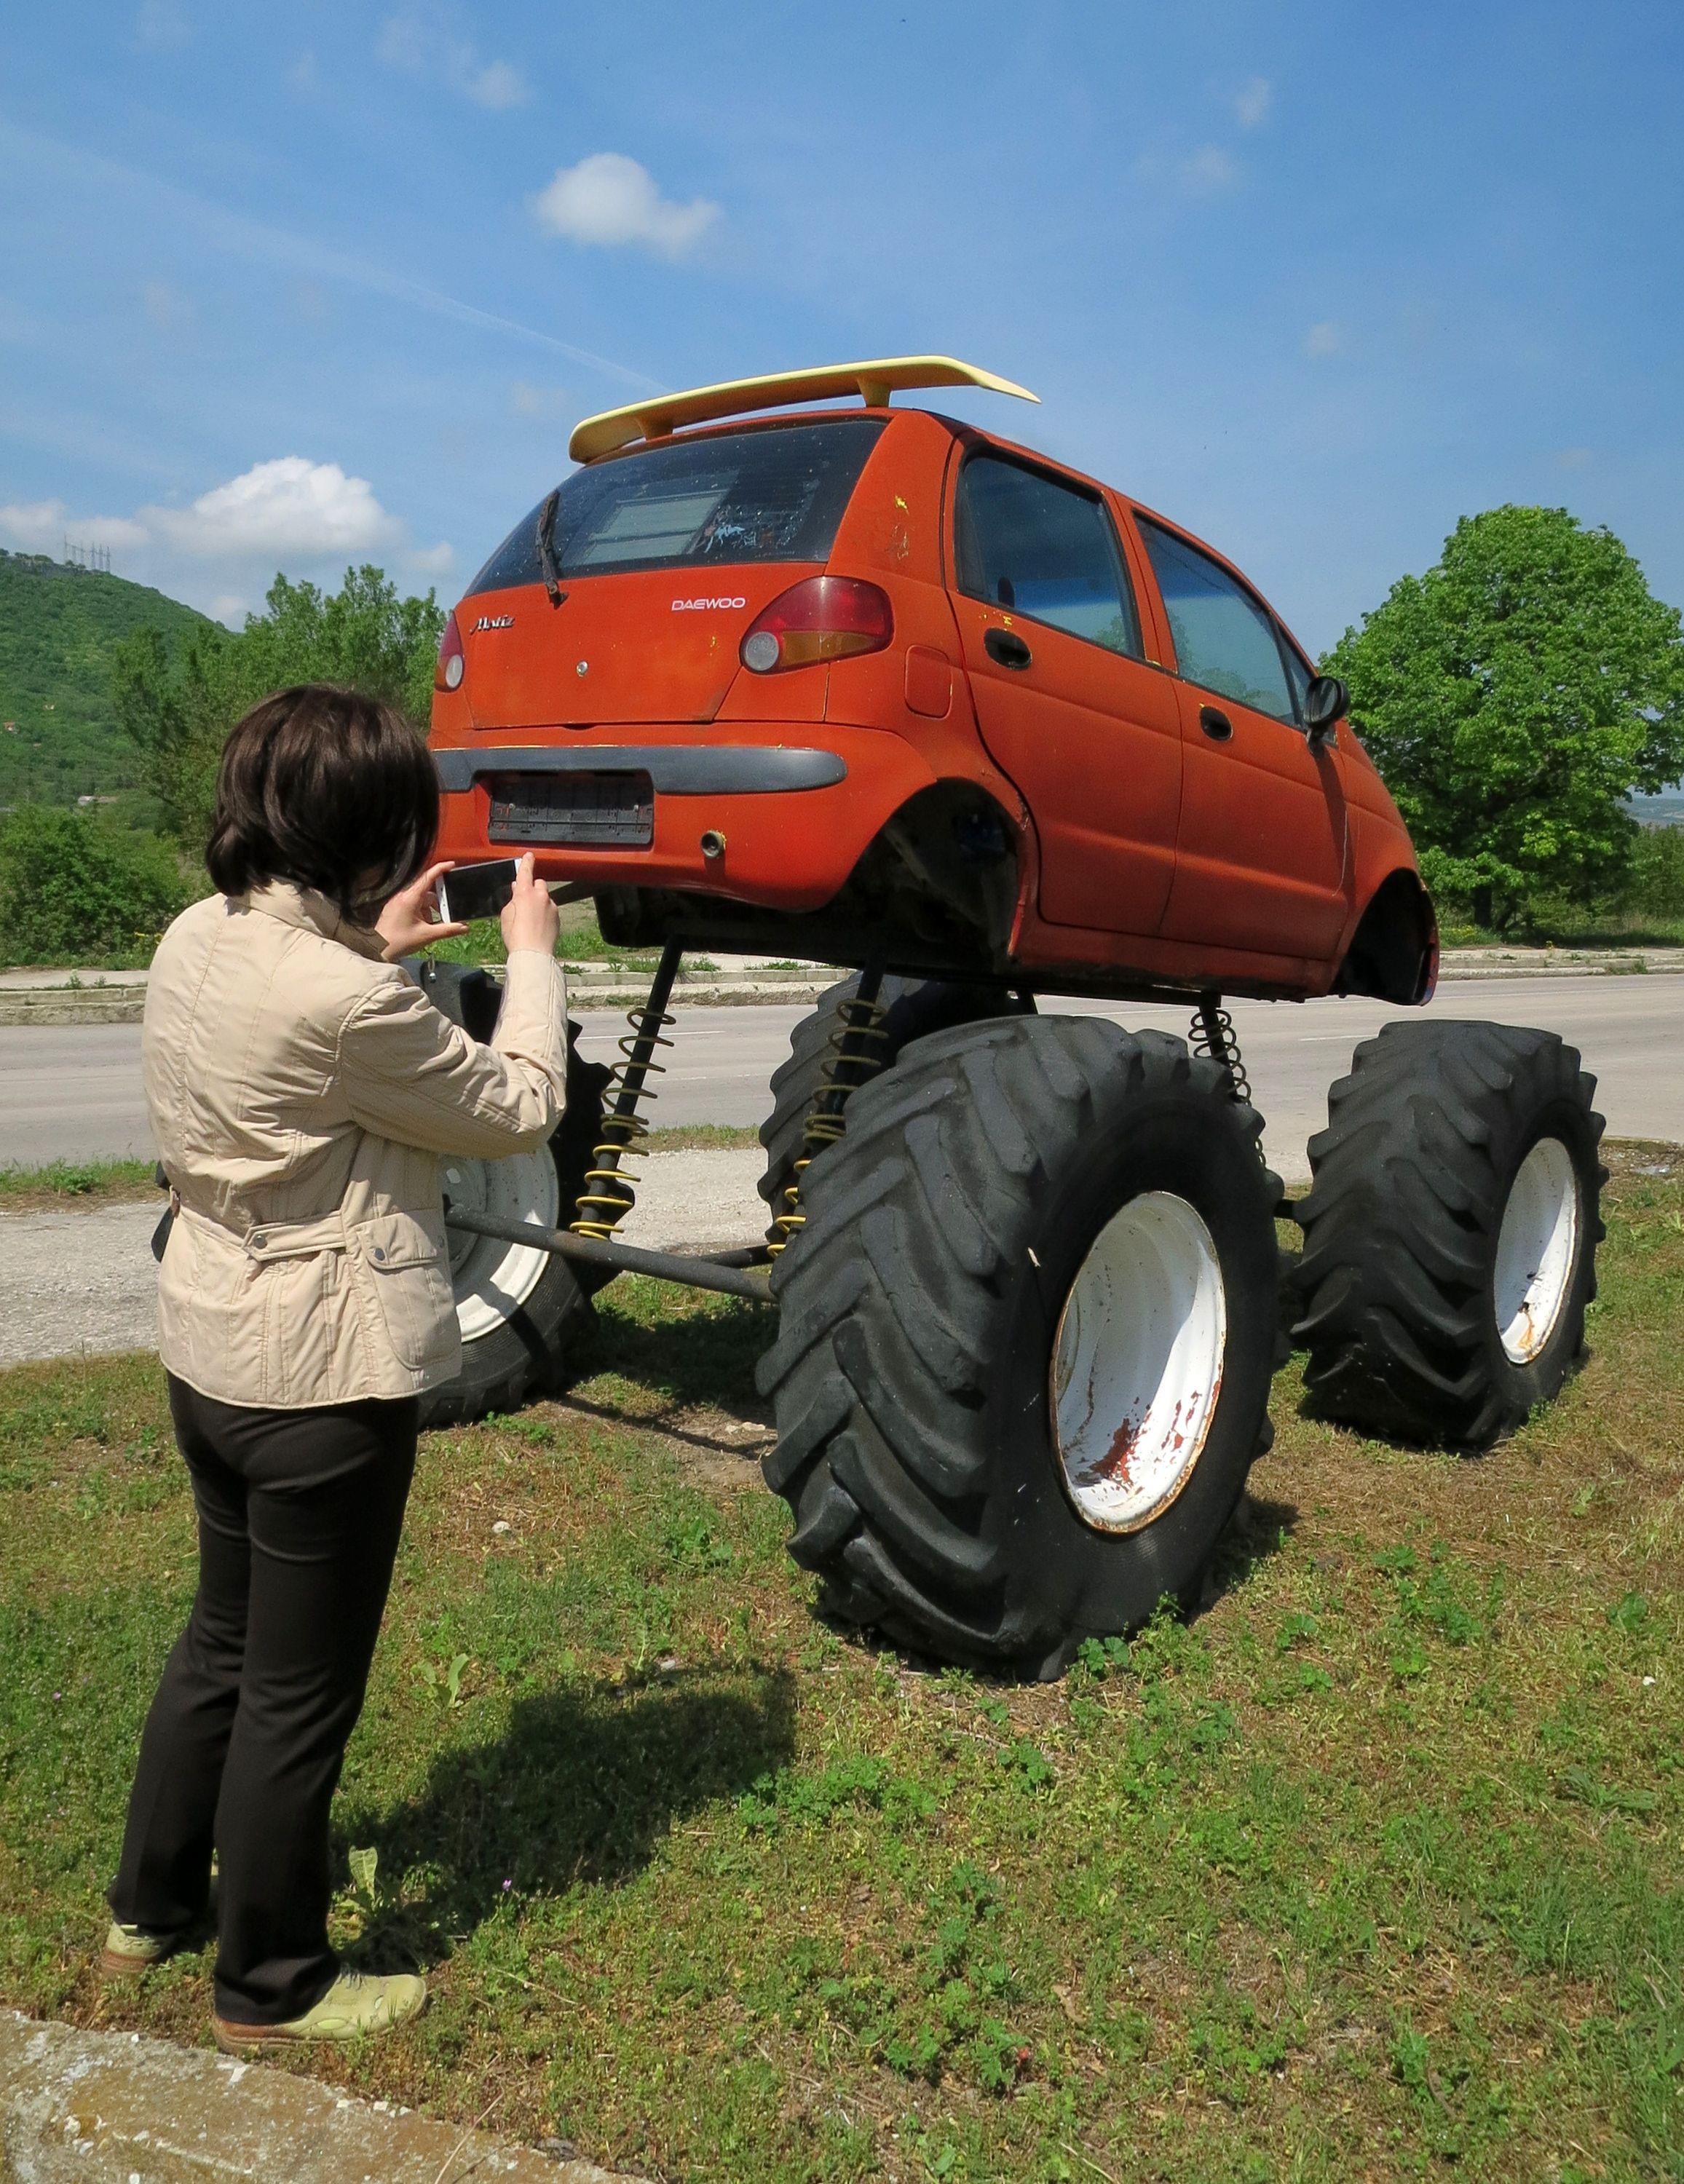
(869, 686)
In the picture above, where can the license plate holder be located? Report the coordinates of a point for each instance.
(609, 810)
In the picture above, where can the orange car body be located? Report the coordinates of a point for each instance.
(1068, 823)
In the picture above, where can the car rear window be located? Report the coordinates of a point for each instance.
(775, 494)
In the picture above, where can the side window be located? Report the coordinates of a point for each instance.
(1223, 639)
(1044, 550)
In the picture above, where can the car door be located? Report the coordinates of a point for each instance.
(1261, 849)
(1065, 702)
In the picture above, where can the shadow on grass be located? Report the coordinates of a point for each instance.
(1256, 1529)
(582, 1788)
(689, 1357)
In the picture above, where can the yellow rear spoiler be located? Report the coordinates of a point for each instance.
(658, 414)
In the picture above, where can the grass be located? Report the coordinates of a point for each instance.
(703, 1137)
(1372, 1869)
(74, 1182)
(580, 943)
(1626, 929)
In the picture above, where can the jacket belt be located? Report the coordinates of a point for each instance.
(265, 1240)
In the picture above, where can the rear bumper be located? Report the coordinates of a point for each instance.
(796, 816)
(675, 769)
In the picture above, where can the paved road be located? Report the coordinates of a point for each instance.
(74, 1092)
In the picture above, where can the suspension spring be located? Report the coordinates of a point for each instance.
(610, 1186)
(856, 1053)
(1211, 1035)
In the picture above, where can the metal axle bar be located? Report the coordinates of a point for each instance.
(624, 1258)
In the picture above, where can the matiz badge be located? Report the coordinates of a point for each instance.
(493, 622)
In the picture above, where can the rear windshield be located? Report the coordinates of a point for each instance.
(771, 495)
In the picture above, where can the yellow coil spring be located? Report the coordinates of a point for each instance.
(825, 1121)
(610, 1192)
(1211, 1034)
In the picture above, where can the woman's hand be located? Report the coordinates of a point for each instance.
(530, 918)
(410, 919)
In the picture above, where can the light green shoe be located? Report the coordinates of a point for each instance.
(356, 2006)
(130, 1950)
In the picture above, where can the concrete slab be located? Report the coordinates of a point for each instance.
(83, 1279)
(116, 2108)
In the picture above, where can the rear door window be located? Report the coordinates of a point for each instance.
(1038, 547)
(1224, 638)
(772, 495)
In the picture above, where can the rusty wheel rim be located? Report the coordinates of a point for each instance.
(1137, 1362)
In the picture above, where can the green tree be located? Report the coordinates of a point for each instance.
(1513, 698)
(363, 635)
(79, 889)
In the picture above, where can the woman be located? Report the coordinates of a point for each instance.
(301, 1089)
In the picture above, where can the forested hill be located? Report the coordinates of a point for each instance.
(59, 627)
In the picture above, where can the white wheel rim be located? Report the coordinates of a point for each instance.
(1137, 1362)
(1536, 1247)
(493, 1280)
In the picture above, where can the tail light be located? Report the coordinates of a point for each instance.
(820, 618)
(448, 674)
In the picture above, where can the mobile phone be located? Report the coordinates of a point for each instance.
(476, 890)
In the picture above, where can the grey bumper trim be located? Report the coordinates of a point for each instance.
(675, 769)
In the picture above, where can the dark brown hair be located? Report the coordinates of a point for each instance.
(326, 788)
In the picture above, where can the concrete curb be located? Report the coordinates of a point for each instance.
(95, 1005)
(123, 1001)
(116, 2108)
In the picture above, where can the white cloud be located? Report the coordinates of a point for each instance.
(308, 518)
(1573, 458)
(609, 200)
(161, 27)
(543, 404)
(1253, 101)
(406, 41)
(1209, 171)
(165, 307)
(427, 39)
(1325, 339)
(40, 526)
(279, 509)
(496, 86)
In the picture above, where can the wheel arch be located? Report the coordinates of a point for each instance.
(944, 874)
(1393, 953)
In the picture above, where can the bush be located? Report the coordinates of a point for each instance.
(1657, 889)
(79, 889)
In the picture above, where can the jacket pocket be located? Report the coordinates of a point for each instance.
(400, 1260)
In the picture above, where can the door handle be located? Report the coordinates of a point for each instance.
(1216, 724)
(1008, 648)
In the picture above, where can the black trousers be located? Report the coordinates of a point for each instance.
(300, 1513)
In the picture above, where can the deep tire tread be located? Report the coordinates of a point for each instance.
(892, 1293)
(1410, 1180)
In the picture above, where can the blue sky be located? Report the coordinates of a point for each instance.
(302, 285)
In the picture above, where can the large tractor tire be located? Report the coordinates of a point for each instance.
(911, 1008)
(517, 1307)
(1027, 1337)
(1450, 1232)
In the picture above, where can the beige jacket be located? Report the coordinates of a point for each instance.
(301, 1091)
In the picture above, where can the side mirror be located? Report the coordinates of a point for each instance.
(1326, 705)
